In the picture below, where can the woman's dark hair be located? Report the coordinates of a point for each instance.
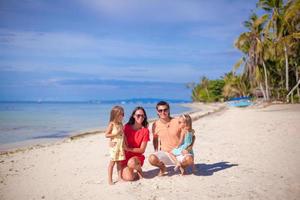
(131, 120)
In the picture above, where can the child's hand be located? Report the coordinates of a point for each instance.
(112, 144)
(184, 152)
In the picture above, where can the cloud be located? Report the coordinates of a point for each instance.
(167, 11)
(44, 43)
(84, 46)
(113, 82)
(54, 75)
(67, 44)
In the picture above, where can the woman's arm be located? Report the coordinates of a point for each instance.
(140, 150)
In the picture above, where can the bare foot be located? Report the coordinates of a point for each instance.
(176, 167)
(162, 171)
(110, 182)
(181, 171)
(140, 174)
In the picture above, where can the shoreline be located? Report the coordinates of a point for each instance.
(198, 110)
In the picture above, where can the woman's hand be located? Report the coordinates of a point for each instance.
(127, 148)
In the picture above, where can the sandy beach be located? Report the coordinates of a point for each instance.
(240, 153)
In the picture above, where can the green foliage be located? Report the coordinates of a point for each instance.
(208, 90)
(270, 60)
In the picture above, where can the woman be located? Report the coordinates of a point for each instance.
(136, 136)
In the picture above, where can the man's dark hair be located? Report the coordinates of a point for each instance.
(162, 103)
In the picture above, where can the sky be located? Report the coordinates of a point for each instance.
(65, 50)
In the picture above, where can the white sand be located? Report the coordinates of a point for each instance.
(245, 153)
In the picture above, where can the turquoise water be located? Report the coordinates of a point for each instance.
(26, 121)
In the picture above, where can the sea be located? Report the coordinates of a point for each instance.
(28, 120)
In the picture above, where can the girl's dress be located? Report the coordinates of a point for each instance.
(188, 139)
(117, 151)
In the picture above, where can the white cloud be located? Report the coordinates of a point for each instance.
(168, 10)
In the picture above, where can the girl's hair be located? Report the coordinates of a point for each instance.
(188, 121)
(131, 120)
(115, 112)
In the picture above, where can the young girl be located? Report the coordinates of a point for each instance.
(186, 141)
(115, 133)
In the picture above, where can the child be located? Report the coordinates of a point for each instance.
(186, 142)
(116, 135)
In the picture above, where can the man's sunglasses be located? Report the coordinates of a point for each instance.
(163, 110)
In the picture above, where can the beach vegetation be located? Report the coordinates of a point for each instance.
(270, 59)
(208, 90)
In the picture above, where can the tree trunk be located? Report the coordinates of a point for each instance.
(207, 92)
(297, 79)
(266, 81)
(286, 69)
(263, 91)
(292, 90)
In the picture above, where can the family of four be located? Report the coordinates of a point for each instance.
(173, 139)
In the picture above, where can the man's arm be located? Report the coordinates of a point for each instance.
(155, 137)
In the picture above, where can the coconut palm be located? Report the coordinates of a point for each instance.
(252, 45)
(290, 37)
(235, 86)
(281, 27)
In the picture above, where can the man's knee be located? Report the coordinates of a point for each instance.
(188, 160)
(153, 160)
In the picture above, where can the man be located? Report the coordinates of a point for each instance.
(166, 135)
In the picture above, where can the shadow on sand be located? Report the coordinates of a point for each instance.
(210, 169)
(200, 170)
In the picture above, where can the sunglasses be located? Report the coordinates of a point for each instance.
(140, 116)
(163, 110)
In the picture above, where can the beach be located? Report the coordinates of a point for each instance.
(240, 153)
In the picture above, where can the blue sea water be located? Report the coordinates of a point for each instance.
(21, 121)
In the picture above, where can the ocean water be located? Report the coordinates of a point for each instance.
(21, 121)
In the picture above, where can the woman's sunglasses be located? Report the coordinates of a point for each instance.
(140, 116)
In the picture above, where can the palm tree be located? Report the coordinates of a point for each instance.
(196, 93)
(204, 84)
(251, 43)
(290, 36)
(278, 25)
(235, 86)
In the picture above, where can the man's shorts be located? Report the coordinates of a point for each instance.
(166, 159)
